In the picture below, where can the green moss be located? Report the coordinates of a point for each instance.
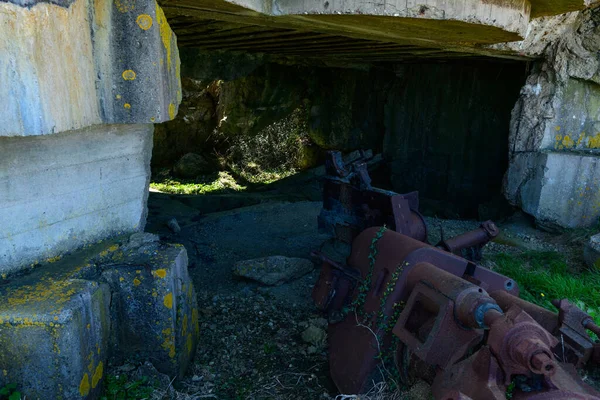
(221, 182)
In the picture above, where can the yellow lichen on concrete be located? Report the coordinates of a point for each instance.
(169, 342)
(184, 325)
(136, 282)
(129, 75)
(567, 142)
(190, 343)
(48, 291)
(168, 300)
(195, 321)
(127, 106)
(144, 21)
(97, 374)
(171, 111)
(166, 35)
(161, 273)
(125, 5)
(594, 142)
(84, 385)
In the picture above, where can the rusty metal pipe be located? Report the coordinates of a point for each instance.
(590, 325)
(471, 302)
(478, 237)
(547, 319)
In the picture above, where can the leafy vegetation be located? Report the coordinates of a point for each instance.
(120, 387)
(275, 152)
(544, 276)
(10, 392)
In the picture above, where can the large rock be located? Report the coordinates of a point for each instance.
(591, 252)
(191, 165)
(274, 270)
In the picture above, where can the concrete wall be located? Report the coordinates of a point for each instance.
(555, 129)
(61, 191)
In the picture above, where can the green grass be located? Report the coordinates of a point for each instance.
(219, 182)
(544, 276)
(254, 174)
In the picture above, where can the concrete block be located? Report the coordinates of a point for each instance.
(591, 252)
(153, 305)
(558, 189)
(54, 337)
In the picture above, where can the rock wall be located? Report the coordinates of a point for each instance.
(555, 129)
(443, 128)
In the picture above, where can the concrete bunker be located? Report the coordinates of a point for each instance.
(85, 82)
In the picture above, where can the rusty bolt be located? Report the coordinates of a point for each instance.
(541, 363)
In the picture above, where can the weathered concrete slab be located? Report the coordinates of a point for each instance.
(62, 191)
(558, 189)
(67, 66)
(127, 299)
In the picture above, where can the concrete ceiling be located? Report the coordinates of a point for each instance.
(357, 30)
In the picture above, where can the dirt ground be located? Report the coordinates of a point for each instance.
(252, 344)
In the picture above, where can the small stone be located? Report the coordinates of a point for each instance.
(591, 252)
(174, 225)
(141, 238)
(191, 165)
(274, 270)
(314, 335)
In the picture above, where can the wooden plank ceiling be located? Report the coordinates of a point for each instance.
(213, 35)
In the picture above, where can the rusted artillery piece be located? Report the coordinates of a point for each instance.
(401, 309)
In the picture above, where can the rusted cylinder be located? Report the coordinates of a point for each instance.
(547, 319)
(590, 325)
(471, 302)
(478, 237)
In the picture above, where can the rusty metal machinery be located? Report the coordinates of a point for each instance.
(402, 309)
